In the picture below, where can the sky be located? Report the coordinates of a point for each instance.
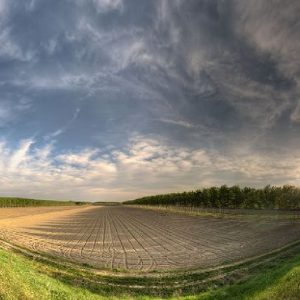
(110, 100)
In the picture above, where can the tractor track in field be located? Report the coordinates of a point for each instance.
(198, 279)
(139, 243)
(136, 239)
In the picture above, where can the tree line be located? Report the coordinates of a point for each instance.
(24, 202)
(269, 197)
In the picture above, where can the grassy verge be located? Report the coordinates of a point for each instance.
(27, 278)
(282, 281)
(21, 278)
(225, 213)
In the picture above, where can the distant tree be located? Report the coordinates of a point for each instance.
(271, 197)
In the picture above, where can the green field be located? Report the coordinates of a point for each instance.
(24, 202)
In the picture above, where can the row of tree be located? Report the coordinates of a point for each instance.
(23, 202)
(270, 197)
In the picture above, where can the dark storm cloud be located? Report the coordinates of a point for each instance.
(112, 85)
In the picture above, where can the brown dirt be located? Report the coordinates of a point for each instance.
(16, 212)
(139, 239)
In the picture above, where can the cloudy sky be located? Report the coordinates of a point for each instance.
(114, 99)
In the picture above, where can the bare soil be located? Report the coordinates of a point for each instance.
(130, 238)
(16, 212)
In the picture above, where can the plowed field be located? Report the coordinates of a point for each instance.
(138, 239)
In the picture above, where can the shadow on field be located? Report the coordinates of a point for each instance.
(66, 229)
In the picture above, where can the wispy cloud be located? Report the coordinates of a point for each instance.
(215, 82)
(11, 50)
(10, 110)
(64, 128)
(179, 123)
(144, 166)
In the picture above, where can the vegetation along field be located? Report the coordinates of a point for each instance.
(24, 202)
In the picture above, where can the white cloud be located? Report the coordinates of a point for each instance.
(145, 166)
(20, 156)
(51, 46)
(179, 123)
(104, 6)
(11, 50)
(82, 159)
(3, 6)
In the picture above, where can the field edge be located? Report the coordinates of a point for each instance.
(157, 284)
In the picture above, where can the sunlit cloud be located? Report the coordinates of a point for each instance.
(99, 101)
(144, 166)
